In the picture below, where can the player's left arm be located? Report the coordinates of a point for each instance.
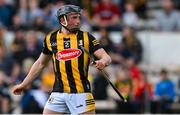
(96, 49)
(104, 58)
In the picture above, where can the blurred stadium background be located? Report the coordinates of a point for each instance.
(141, 36)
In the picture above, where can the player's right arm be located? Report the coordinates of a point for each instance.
(36, 68)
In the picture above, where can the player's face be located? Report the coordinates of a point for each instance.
(74, 21)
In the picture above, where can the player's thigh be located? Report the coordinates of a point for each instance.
(47, 112)
(56, 104)
(80, 103)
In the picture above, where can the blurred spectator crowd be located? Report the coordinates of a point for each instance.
(24, 24)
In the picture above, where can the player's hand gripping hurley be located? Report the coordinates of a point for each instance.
(105, 74)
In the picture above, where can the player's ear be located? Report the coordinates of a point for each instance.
(63, 20)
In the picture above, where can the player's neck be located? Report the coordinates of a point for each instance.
(65, 31)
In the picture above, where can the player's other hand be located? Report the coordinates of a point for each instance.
(17, 89)
(100, 64)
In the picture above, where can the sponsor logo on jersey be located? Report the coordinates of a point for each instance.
(68, 54)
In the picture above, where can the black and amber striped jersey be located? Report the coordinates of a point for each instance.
(70, 62)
